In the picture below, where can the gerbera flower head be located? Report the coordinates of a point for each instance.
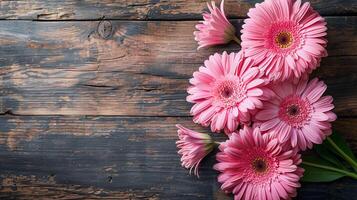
(285, 38)
(298, 113)
(215, 29)
(224, 91)
(256, 166)
(194, 146)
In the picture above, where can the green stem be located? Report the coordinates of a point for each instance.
(236, 40)
(343, 154)
(347, 173)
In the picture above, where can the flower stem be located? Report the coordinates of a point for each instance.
(236, 40)
(347, 173)
(343, 154)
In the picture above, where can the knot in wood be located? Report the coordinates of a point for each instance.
(105, 29)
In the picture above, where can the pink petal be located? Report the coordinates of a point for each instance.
(269, 124)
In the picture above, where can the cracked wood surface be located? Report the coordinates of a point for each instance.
(143, 9)
(88, 105)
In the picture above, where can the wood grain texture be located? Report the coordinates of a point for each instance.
(45, 188)
(90, 92)
(143, 9)
(64, 157)
(138, 69)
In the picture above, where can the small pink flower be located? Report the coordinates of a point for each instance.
(255, 166)
(193, 147)
(298, 113)
(215, 29)
(285, 38)
(224, 91)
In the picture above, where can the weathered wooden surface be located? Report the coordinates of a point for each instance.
(114, 157)
(88, 106)
(143, 9)
(141, 68)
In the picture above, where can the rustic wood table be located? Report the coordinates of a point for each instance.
(91, 92)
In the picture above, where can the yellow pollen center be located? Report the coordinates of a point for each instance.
(284, 39)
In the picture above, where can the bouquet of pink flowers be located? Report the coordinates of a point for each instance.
(262, 99)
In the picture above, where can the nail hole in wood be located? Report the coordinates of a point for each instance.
(110, 179)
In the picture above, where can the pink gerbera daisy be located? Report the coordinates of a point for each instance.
(193, 147)
(285, 38)
(257, 167)
(298, 113)
(215, 29)
(224, 91)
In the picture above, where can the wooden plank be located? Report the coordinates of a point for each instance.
(32, 187)
(80, 156)
(141, 68)
(44, 188)
(143, 9)
(115, 158)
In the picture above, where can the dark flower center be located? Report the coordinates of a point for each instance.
(227, 92)
(260, 165)
(284, 39)
(293, 110)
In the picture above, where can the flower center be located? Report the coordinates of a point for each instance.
(229, 92)
(260, 165)
(284, 39)
(295, 111)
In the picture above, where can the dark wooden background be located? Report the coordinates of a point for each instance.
(90, 92)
